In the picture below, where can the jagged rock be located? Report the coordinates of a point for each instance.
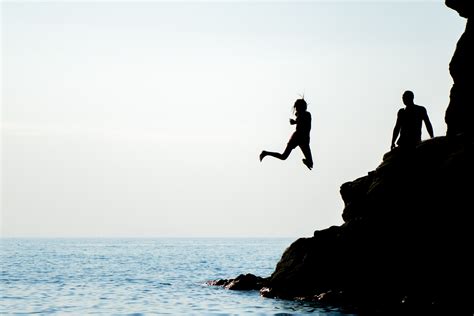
(408, 248)
(460, 112)
(351, 193)
(411, 237)
(407, 238)
(220, 282)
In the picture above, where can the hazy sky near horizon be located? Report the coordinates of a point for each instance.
(142, 119)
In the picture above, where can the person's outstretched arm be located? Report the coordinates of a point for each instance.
(429, 127)
(396, 131)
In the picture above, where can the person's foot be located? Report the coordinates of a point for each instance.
(307, 164)
(262, 155)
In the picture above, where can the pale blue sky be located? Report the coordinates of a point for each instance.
(147, 118)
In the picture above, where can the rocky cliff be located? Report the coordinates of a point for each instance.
(407, 237)
(460, 113)
(406, 240)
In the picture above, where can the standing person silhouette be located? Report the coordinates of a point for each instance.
(409, 123)
(299, 138)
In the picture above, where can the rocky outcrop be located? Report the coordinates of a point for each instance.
(460, 113)
(406, 240)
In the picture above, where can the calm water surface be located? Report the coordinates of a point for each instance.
(138, 276)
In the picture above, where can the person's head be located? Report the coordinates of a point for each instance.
(408, 97)
(300, 106)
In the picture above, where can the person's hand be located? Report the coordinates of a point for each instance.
(292, 122)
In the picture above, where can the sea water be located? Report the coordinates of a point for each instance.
(139, 276)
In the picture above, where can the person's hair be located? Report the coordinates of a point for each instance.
(300, 105)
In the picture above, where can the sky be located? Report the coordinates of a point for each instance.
(146, 119)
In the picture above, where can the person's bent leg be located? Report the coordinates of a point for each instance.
(282, 156)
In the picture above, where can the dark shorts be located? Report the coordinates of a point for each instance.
(298, 140)
(408, 142)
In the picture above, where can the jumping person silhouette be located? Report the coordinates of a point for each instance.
(409, 122)
(299, 138)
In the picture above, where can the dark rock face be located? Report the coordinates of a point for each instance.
(464, 7)
(460, 113)
(406, 240)
(406, 243)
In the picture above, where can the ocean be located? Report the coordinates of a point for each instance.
(139, 277)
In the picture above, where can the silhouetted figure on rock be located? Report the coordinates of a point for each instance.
(299, 138)
(409, 121)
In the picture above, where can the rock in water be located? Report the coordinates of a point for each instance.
(244, 282)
